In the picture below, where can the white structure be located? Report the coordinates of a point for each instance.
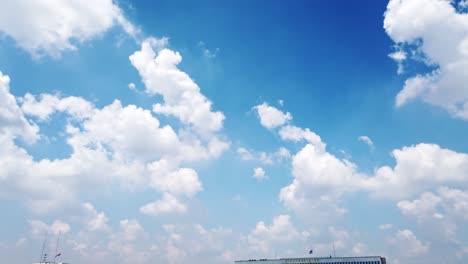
(317, 260)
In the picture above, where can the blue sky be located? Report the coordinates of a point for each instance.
(212, 131)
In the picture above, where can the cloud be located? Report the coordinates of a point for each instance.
(399, 57)
(385, 226)
(53, 27)
(297, 134)
(95, 221)
(418, 168)
(408, 245)
(132, 87)
(40, 228)
(113, 145)
(436, 30)
(463, 4)
(182, 96)
(168, 204)
(263, 157)
(366, 140)
(210, 54)
(126, 243)
(197, 243)
(48, 104)
(178, 181)
(444, 212)
(271, 117)
(264, 236)
(259, 174)
(320, 179)
(12, 120)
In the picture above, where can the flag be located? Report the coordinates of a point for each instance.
(58, 255)
(311, 251)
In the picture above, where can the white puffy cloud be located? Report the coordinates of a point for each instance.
(407, 244)
(418, 168)
(136, 134)
(197, 243)
(40, 228)
(283, 153)
(132, 87)
(127, 243)
(259, 174)
(182, 96)
(263, 236)
(55, 26)
(296, 134)
(95, 221)
(399, 57)
(366, 140)
(131, 229)
(444, 212)
(168, 204)
(271, 117)
(427, 204)
(436, 30)
(48, 104)
(12, 120)
(181, 181)
(113, 145)
(320, 179)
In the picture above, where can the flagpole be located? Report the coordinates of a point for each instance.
(56, 246)
(43, 247)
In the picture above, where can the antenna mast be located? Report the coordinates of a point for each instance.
(43, 247)
(334, 253)
(56, 246)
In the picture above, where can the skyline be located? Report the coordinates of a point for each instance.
(216, 131)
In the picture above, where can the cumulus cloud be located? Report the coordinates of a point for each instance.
(95, 221)
(444, 212)
(13, 123)
(259, 174)
(436, 30)
(320, 179)
(407, 244)
(53, 27)
(280, 230)
(40, 228)
(180, 181)
(297, 134)
(48, 104)
(271, 117)
(418, 168)
(168, 204)
(182, 96)
(119, 144)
